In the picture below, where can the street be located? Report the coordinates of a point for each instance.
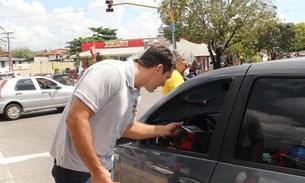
(24, 144)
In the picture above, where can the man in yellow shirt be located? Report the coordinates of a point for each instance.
(177, 76)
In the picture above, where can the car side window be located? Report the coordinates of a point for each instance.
(25, 84)
(273, 126)
(199, 108)
(46, 84)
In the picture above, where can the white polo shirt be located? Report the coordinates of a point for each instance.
(107, 87)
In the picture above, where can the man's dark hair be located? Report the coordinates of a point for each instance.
(156, 55)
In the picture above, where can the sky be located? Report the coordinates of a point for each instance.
(49, 24)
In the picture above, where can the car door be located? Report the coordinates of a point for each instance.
(27, 94)
(188, 158)
(270, 147)
(52, 93)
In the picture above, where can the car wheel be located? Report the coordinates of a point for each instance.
(13, 112)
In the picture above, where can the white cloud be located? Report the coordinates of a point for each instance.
(37, 27)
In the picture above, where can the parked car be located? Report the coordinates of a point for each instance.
(49, 75)
(24, 94)
(6, 75)
(246, 125)
(64, 79)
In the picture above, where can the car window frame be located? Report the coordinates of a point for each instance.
(216, 140)
(29, 79)
(234, 125)
(37, 79)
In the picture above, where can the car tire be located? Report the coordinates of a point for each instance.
(13, 112)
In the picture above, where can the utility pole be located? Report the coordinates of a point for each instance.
(11, 68)
(8, 37)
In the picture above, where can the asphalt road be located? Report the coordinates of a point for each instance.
(24, 144)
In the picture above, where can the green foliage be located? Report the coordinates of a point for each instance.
(218, 23)
(99, 34)
(300, 36)
(22, 53)
(276, 38)
(256, 58)
(242, 60)
(103, 34)
(56, 70)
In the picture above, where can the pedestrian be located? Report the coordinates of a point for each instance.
(177, 76)
(102, 109)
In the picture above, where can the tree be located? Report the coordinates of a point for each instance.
(300, 37)
(276, 38)
(22, 53)
(217, 22)
(103, 34)
(99, 34)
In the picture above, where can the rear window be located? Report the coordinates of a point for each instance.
(25, 84)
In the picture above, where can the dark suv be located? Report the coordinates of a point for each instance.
(245, 125)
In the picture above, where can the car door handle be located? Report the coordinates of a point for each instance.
(187, 180)
(45, 92)
(18, 93)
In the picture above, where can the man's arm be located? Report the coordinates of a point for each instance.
(80, 132)
(138, 130)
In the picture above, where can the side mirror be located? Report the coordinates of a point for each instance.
(58, 87)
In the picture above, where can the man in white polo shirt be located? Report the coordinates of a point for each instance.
(101, 110)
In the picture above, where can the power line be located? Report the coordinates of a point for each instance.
(46, 14)
(2, 15)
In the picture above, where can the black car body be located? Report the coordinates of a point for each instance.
(252, 122)
(64, 79)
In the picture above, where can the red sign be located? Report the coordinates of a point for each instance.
(113, 44)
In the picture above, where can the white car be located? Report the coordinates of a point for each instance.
(25, 94)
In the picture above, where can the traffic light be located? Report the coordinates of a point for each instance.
(110, 3)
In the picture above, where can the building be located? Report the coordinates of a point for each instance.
(18, 64)
(3, 53)
(123, 49)
(119, 49)
(56, 55)
(196, 52)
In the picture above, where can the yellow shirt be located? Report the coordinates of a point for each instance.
(171, 83)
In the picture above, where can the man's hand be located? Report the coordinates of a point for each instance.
(172, 129)
(102, 176)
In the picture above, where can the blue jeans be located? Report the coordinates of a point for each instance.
(63, 175)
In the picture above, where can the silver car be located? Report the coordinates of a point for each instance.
(25, 94)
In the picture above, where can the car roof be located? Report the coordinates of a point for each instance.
(291, 65)
(26, 77)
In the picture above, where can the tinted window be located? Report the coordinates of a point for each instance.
(199, 106)
(273, 130)
(24, 84)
